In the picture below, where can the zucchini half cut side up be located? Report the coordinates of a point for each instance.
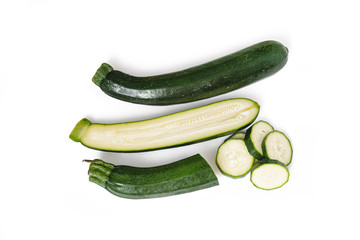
(269, 174)
(181, 128)
(183, 176)
(277, 146)
(217, 77)
(233, 158)
(254, 137)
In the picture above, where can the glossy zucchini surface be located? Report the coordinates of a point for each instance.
(217, 77)
(183, 176)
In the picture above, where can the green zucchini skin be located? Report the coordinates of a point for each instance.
(183, 176)
(217, 77)
(249, 143)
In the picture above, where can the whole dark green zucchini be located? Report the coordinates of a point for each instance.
(187, 175)
(220, 76)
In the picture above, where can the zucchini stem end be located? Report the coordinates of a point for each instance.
(79, 129)
(101, 73)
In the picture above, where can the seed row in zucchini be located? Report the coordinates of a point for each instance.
(254, 137)
(233, 158)
(277, 146)
(269, 174)
(220, 76)
(181, 128)
(183, 176)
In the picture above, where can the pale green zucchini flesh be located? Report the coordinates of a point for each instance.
(238, 135)
(233, 158)
(269, 175)
(277, 146)
(181, 128)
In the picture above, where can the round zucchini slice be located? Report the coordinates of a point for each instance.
(277, 146)
(233, 158)
(254, 137)
(269, 175)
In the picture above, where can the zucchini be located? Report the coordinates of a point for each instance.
(238, 135)
(269, 174)
(277, 146)
(220, 76)
(182, 128)
(187, 175)
(254, 137)
(233, 158)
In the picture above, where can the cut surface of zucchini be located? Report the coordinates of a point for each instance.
(269, 175)
(238, 135)
(277, 146)
(254, 137)
(181, 128)
(233, 158)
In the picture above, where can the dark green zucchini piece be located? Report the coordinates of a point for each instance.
(233, 158)
(181, 128)
(184, 176)
(277, 146)
(254, 137)
(269, 174)
(220, 76)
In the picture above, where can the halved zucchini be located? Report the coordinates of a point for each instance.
(269, 174)
(233, 158)
(186, 127)
(277, 146)
(254, 137)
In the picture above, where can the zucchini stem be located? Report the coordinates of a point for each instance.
(79, 128)
(99, 171)
(101, 73)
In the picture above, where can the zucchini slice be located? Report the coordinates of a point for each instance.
(254, 137)
(183, 176)
(238, 135)
(233, 158)
(277, 146)
(217, 77)
(269, 174)
(181, 128)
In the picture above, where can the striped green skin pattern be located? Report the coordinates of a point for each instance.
(220, 76)
(183, 176)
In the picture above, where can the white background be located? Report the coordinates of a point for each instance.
(49, 51)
